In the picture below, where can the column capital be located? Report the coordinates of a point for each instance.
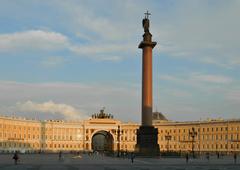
(146, 44)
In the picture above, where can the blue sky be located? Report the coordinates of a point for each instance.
(67, 59)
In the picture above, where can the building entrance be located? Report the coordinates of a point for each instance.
(102, 141)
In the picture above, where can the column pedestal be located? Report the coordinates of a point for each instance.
(147, 141)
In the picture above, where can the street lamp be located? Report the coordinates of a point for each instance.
(193, 134)
(168, 138)
(119, 132)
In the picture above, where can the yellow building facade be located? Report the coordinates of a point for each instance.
(54, 135)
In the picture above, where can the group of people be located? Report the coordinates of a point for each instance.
(218, 156)
(131, 156)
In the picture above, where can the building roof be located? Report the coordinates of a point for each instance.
(159, 116)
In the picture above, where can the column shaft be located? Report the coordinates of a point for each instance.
(147, 86)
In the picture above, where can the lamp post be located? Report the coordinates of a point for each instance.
(168, 138)
(119, 132)
(193, 134)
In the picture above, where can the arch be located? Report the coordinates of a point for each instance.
(102, 141)
(100, 129)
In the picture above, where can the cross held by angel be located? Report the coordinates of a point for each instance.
(145, 22)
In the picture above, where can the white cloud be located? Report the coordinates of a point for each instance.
(91, 23)
(32, 40)
(170, 78)
(200, 31)
(196, 30)
(179, 93)
(208, 78)
(101, 48)
(104, 52)
(196, 78)
(69, 112)
(41, 40)
(122, 101)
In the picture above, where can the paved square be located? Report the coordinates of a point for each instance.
(98, 162)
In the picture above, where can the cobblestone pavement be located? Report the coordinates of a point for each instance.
(85, 162)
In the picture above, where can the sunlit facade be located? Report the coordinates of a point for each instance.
(54, 135)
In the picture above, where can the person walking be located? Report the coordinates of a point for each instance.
(60, 156)
(132, 157)
(187, 158)
(15, 157)
(207, 156)
(235, 158)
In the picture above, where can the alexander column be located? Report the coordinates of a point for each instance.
(147, 135)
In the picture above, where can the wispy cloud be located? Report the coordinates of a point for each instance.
(47, 41)
(208, 78)
(203, 34)
(52, 61)
(206, 35)
(121, 100)
(201, 31)
(32, 40)
(233, 95)
(195, 78)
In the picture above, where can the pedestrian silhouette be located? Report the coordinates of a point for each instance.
(187, 158)
(132, 157)
(235, 158)
(60, 156)
(207, 156)
(15, 157)
(218, 155)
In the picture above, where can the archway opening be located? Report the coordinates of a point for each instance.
(102, 141)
